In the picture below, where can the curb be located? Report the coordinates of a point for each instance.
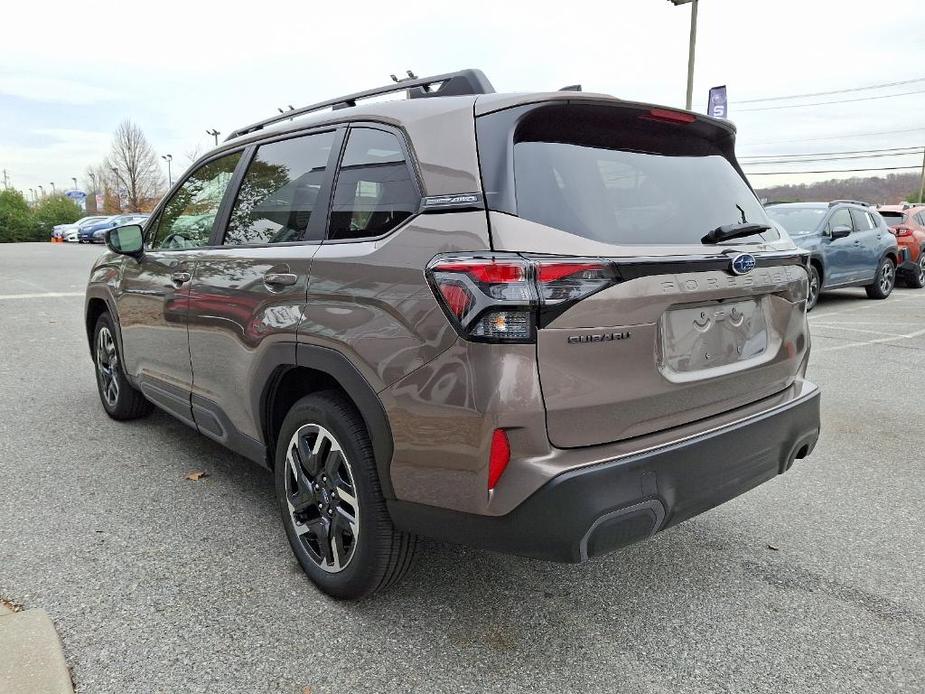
(31, 659)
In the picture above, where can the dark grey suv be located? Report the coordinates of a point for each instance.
(550, 324)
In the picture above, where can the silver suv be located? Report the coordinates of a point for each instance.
(549, 324)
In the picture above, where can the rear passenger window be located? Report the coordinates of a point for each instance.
(862, 221)
(374, 191)
(280, 191)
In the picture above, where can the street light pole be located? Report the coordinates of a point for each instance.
(74, 178)
(52, 184)
(168, 158)
(691, 49)
(214, 133)
(922, 187)
(42, 190)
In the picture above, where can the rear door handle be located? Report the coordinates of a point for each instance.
(181, 277)
(280, 279)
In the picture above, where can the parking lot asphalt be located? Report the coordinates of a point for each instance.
(813, 582)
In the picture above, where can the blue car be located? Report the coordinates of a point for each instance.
(849, 243)
(89, 233)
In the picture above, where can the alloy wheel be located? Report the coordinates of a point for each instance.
(921, 269)
(813, 288)
(887, 277)
(107, 361)
(322, 498)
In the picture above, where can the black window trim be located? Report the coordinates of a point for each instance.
(410, 164)
(155, 218)
(317, 225)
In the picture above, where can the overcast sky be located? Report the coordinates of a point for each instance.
(70, 72)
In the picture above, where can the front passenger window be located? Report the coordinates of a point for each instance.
(187, 217)
(841, 218)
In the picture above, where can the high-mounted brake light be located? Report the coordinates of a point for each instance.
(503, 297)
(498, 458)
(670, 116)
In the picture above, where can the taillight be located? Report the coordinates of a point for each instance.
(902, 231)
(504, 297)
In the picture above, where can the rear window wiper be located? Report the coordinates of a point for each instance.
(734, 231)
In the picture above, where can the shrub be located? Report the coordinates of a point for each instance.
(16, 220)
(55, 209)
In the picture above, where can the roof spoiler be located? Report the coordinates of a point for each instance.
(460, 83)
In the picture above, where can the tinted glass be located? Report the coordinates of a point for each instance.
(618, 196)
(840, 218)
(187, 217)
(892, 218)
(797, 220)
(280, 191)
(862, 220)
(374, 192)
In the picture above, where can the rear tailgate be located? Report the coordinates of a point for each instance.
(681, 335)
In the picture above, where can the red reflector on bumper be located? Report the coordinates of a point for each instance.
(499, 458)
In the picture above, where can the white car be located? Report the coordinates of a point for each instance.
(61, 231)
(72, 235)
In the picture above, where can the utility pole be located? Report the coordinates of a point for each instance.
(6, 180)
(922, 187)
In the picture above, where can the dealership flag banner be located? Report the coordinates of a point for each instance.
(718, 105)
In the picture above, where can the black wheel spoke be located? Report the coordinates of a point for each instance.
(332, 464)
(302, 495)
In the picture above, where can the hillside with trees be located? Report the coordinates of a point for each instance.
(888, 190)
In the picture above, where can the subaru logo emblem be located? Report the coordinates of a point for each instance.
(743, 263)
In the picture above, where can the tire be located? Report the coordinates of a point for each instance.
(884, 280)
(815, 287)
(331, 501)
(120, 400)
(916, 278)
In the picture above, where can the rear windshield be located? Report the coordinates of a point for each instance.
(798, 220)
(892, 219)
(629, 185)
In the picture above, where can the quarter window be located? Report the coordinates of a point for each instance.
(280, 191)
(187, 217)
(374, 192)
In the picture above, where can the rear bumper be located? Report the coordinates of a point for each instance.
(599, 508)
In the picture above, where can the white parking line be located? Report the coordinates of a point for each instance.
(863, 343)
(44, 295)
(820, 326)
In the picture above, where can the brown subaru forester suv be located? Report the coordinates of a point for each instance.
(550, 324)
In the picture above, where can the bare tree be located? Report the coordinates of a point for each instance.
(193, 154)
(136, 166)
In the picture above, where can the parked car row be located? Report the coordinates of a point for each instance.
(93, 229)
(853, 244)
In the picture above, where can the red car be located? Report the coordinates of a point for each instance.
(908, 225)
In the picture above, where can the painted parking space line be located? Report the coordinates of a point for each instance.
(864, 343)
(819, 326)
(43, 295)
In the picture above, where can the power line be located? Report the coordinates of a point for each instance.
(850, 156)
(826, 103)
(795, 173)
(896, 150)
(834, 137)
(883, 85)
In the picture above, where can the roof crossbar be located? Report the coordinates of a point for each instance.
(457, 83)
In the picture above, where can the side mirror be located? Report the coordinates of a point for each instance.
(127, 240)
(840, 232)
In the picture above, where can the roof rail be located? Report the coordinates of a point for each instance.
(849, 202)
(450, 84)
